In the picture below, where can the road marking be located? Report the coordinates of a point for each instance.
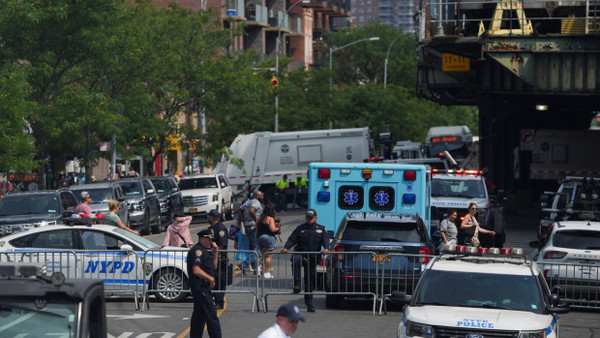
(219, 312)
(135, 316)
(17, 321)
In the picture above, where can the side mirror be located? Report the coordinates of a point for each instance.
(126, 247)
(400, 297)
(556, 306)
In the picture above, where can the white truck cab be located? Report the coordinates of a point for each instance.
(480, 295)
(204, 192)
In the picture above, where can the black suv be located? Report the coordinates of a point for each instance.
(23, 210)
(396, 248)
(144, 207)
(169, 195)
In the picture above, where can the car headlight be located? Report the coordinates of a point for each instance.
(533, 334)
(215, 197)
(421, 330)
(163, 204)
(138, 206)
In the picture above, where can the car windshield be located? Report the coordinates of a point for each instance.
(381, 231)
(458, 150)
(577, 239)
(131, 188)
(30, 205)
(468, 289)
(457, 188)
(97, 195)
(162, 188)
(34, 317)
(198, 183)
(141, 241)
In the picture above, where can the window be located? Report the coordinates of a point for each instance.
(198, 183)
(222, 181)
(131, 188)
(58, 239)
(68, 200)
(147, 186)
(351, 197)
(381, 231)
(29, 205)
(577, 239)
(96, 240)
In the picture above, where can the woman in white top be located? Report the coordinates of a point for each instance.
(471, 227)
(448, 229)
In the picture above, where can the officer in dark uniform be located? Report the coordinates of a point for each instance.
(221, 238)
(308, 236)
(201, 265)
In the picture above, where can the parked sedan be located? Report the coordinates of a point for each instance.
(396, 248)
(103, 252)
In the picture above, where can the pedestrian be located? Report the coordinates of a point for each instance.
(280, 188)
(74, 180)
(84, 206)
(266, 231)
(471, 227)
(178, 233)
(202, 260)
(448, 229)
(240, 244)
(221, 239)
(111, 217)
(63, 182)
(307, 237)
(286, 324)
(250, 212)
(133, 173)
(299, 184)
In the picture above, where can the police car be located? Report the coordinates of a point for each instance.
(124, 261)
(571, 257)
(480, 295)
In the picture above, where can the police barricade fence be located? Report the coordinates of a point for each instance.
(400, 272)
(166, 277)
(578, 284)
(118, 269)
(335, 276)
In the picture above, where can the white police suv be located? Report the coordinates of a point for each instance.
(125, 262)
(477, 295)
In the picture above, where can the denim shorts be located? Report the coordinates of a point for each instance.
(266, 242)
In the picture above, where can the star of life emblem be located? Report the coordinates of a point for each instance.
(382, 198)
(350, 197)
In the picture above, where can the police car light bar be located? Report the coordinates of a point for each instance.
(463, 249)
(458, 172)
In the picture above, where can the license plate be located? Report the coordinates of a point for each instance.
(194, 210)
(381, 258)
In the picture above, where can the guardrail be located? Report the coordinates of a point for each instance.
(577, 284)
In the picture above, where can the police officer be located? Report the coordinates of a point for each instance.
(201, 265)
(308, 236)
(221, 233)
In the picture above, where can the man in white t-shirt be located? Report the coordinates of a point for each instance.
(286, 324)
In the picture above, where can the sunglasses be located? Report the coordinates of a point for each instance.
(473, 208)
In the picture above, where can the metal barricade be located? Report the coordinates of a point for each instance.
(400, 272)
(166, 276)
(63, 261)
(577, 284)
(337, 275)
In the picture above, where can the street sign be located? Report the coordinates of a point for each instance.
(455, 63)
(527, 137)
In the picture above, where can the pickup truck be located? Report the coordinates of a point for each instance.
(204, 192)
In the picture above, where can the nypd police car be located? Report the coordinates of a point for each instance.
(477, 295)
(124, 261)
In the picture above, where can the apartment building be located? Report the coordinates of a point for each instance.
(394, 13)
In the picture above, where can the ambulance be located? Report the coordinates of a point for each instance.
(338, 188)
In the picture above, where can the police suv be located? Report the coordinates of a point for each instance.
(125, 262)
(480, 295)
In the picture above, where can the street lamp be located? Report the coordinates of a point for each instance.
(331, 51)
(277, 65)
(387, 56)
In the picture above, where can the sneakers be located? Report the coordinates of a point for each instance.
(268, 275)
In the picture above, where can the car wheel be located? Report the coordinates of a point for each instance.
(170, 282)
(333, 301)
(229, 214)
(146, 225)
(157, 226)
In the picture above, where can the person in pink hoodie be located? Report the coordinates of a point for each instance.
(178, 233)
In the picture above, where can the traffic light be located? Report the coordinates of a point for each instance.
(274, 81)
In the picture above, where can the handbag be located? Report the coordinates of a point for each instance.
(475, 240)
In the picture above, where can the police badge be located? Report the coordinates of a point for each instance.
(222, 233)
(147, 268)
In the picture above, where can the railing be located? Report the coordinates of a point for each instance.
(577, 284)
(438, 18)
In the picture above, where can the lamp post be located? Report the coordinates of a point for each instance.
(331, 51)
(277, 65)
(387, 56)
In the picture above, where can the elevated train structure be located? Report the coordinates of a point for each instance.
(527, 65)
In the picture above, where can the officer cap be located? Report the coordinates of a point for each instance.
(214, 214)
(206, 233)
(311, 213)
(290, 311)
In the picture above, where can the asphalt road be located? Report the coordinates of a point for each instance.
(354, 319)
